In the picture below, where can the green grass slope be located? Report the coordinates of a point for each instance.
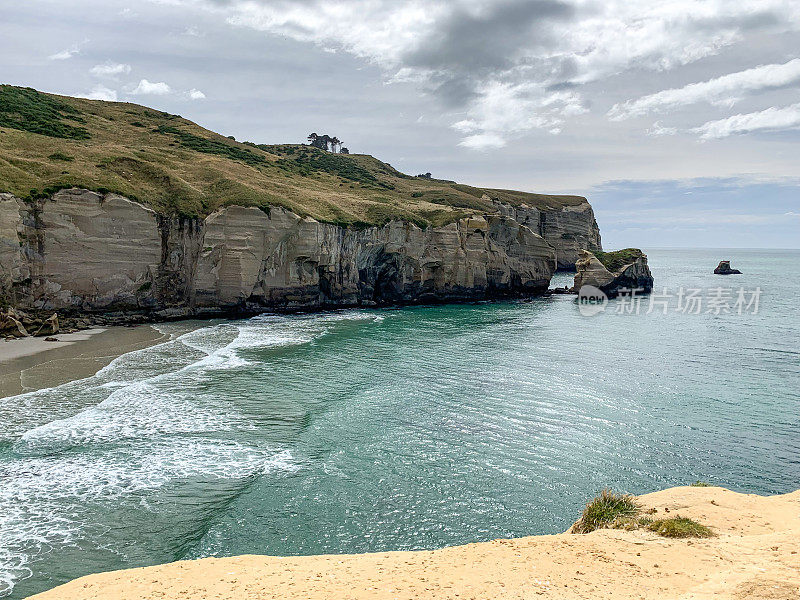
(50, 142)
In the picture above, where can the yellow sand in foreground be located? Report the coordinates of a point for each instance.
(755, 555)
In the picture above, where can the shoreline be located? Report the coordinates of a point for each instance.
(30, 364)
(755, 553)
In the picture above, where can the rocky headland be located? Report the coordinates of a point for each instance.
(84, 252)
(118, 214)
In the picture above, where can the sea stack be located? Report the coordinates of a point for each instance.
(724, 268)
(614, 273)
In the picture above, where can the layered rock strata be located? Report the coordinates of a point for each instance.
(568, 229)
(634, 274)
(86, 252)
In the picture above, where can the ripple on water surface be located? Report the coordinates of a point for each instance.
(366, 430)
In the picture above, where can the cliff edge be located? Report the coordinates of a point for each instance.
(88, 252)
(754, 553)
(111, 206)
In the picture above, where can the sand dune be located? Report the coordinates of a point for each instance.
(754, 555)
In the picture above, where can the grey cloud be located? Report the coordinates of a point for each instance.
(469, 43)
(468, 49)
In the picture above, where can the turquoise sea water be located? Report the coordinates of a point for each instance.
(367, 430)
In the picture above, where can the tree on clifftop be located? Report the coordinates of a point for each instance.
(318, 141)
(323, 141)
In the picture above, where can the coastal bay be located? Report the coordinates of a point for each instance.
(494, 420)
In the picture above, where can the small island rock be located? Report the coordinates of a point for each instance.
(724, 268)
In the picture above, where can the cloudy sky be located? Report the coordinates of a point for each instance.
(680, 120)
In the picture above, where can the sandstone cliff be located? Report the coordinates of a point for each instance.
(83, 251)
(625, 270)
(568, 229)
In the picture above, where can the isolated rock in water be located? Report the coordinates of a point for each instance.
(614, 272)
(724, 268)
(50, 339)
(10, 326)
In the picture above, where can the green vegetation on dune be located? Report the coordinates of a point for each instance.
(623, 511)
(604, 510)
(679, 527)
(50, 142)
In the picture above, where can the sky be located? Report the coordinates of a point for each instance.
(679, 120)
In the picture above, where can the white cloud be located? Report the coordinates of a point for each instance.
(484, 57)
(505, 110)
(483, 141)
(771, 119)
(720, 90)
(195, 94)
(101, 92)
(110, 69)
(192, 32)
(657, 129)
(69, 52)
(65, 54)
(146, 87)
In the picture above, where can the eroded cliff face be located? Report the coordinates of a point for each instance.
(633, 275)
(90, 252)
(568, 230)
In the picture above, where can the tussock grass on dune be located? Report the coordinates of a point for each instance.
(623, 511)
(605, 510)
(679, 527)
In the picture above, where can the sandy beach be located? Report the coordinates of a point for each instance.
(30, 364)
(755, 554)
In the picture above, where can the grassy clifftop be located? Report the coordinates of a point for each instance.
(49, 142)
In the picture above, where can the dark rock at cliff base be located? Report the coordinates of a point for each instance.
(561, 290)
(11, 325)
(617, 273)
(724, 268)
(49, 327)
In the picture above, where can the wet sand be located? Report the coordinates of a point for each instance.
(30, 364)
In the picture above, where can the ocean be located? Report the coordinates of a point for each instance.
(410, 428)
